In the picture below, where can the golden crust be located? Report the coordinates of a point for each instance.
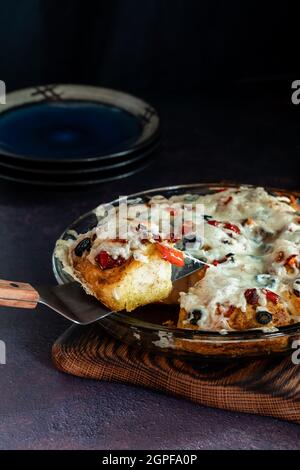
(239, 320)
(246, 320)
(293, 303)
(128, 286)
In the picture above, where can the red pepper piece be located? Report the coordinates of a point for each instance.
(271, 296)
(291, 261)
(232, 227)
(251, 296)
(215, 223)
(105, 261)
(227, 225)
(171, 254)
(222, 260)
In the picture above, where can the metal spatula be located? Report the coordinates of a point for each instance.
(70, 300)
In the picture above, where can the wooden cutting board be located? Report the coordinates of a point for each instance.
(267, 386)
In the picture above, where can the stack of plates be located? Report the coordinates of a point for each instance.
(66, 135)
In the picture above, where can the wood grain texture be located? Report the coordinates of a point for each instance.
(269, 386)
(17, 303)
(17, 294)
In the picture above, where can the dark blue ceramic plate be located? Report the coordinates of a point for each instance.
(79, 177)
(90, 167)
(58, 125)
(67, 130)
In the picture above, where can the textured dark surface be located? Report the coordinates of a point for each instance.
(251, 139)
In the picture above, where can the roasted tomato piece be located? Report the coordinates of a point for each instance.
(171, 254)
(251, 296)
(228, 257)
(232, 227)
(271, 296)
(227, 225)
(106, 261)
(215, 223)
(291, 261)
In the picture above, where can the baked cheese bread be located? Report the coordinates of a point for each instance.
(131, 284)
(125, 262)
(249, 239)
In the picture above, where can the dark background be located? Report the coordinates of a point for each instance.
(147, 45)
(219, 73)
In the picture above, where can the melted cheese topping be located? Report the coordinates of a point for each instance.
(269, 236)
(156, 221)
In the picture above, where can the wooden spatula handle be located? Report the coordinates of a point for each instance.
(18, 294)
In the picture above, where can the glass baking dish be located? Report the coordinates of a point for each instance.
(151, 327)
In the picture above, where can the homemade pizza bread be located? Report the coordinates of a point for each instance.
(128, 284)
(248, 238)
(125, 262)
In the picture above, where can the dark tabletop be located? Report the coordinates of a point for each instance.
(250, 137)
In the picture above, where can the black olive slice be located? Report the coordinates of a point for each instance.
(263, 317)
(195, 316)
(83, 245)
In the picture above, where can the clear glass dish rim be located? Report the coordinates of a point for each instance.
(136, 323)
